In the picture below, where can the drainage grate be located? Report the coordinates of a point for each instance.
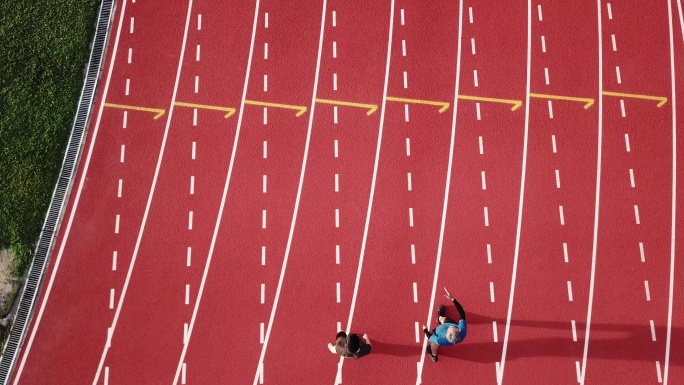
(59, 195)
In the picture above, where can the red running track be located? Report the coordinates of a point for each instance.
(313, 170)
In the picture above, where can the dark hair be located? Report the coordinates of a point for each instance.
(353, 343)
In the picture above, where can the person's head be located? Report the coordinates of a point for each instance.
(341, 334)
(453, 334)
(353, 343)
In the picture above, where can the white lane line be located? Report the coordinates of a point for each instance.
(553, 144)
(489, 254)
(337, 153)
(106, 375)
(116, 224)
(557, 179)
(403, 48)
(120, 189)
(543, 43)
(569, 291)
(192, 184)
(627, 147)
(405, 79)
(470, 14)
(111, 298)
(484, 182)
(125, 119)
(413, 254)
(610, 11)
(486, 216)
(194, 117)
(337, 182)
(612, 38)
(477, 109)
(265, 116)
(194, 150)
(265, 19)
(265, 83)
(491, 291)
(334, 49)
(550, 110)
(265, 51)
(406, 112)
(631, 177)
(335, 82)
(337, 287)
(660, 376)
(185, 333)
(472, 44)
(197, 84)
(574, 331)
(263, 293)
(539, 11)
(565, 252)
(622, 108)
(260, 373)
(495, 332)
(408, 147)
(475, 78)
(263, 219)
(264, 184)
(128, 87)
(415, 292)
(337, 218)
(334, 18)
(199, 22)
(373, 182)
(188, 259)
(641, 252)
(197, 53)
(265, 150)
(263, 255)
(190, 220)
(187, 294)
(653, 333)
(403, 21)
(617, 74)
(648, 291)
(562, 217)
(500, 367)
(130, 55)
(115, 255)
(636, 214)
(417, 329)
(546, 75)
(337, 257)
(132, 25)
(410, 216)
(481, 145)
(335, 114)
(408, 177)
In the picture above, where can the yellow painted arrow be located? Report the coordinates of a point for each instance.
(371, 107)
(159, 112)
(301, 109)
(516, 103)
(587, 101)
(662, 100)
(230, 111)
(444, 105)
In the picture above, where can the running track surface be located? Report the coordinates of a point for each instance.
(260, 175)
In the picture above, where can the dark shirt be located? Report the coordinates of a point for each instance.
(341, 348)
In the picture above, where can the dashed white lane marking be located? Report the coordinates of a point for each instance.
(622, 108)
(196, 83)
(263, 255)
(403, 21)
(484, 182)
(543, 43)
(636, 214)
(557, 179)
(334, 18)
(491, 291)
(337, 258)
(337, 288)
(111, 299)
(335, 50)
(415, 292)
(489, 254)
(406, 112)
(265, 116)
(194, 117)
(486, 216)
(199, 22)
(265, 19)
(265, 82)
(627, 142)
(631, 177)
(192, 184)
(410, 216)
(263, 219)
(403, 48)
(335, 82)
(562, 217)
(339, 327)
(550, 110)
(266, 51)
(106, 375)
(185, 333)
(114, 258)
(475, 78)
(470, 14)
(335, 114)
(648, 291)
(569, 291)
(405, 79)
(132, 24)
(264, 183)
(546, 75)
(653, 334)
(553, 143)
(612, 38)
(337, 153)
(130, 55)
(109, 337)
(190, 214)
(260, 370)
(194, 150)
(477, 109)
(408, 177)
(413, 254)
(197, 53)
(495, 332)
(408, 147)
(188, 257)
(660, 376)
(578, 371)
(263, 293)
(617, 74)
(265, 150)
(472, 44)
(417, 329)
(337, 182)
(125, 119)
(337, 218)
(481, 145)
(565, 252)
(187, 294)
(539, 11)
(128, 87)
(574, 331)
(641, 252)
(610, 11)
(119, 190)
(261, 332)
(116, 225)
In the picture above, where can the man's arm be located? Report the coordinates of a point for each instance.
(461, 313)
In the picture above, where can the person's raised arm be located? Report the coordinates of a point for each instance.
(459, 308)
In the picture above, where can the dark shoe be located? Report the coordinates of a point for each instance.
(440, 311)
(429, 352)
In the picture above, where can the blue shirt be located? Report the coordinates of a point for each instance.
(439, 334)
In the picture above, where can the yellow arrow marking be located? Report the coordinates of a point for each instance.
(301, 109)
(230, 111)
(371, 107)
(662, 100)
(443, 105)
(159, 112)
(588, 102)
(516, 103)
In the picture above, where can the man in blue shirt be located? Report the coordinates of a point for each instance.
(449, 332)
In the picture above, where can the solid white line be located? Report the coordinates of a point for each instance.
(123, 152)
(337, 287)
(489, 254)
(265, 116)
(484, 181)
(417, 329)
(631, 177)
(636, 214)
(565, 252)
(472, 44)
(574, 331)
(648, 292)
(612, 38)
(641, 251)
(265, 83)
(406, 112)
(125, 119)
(546, 75)
(553, 143)
(199, 22)
(413, 254)
(592, 278)
(187, 294)
(415, 292)
(622, 108)
(264, 183)
(495, 332)
(337, 182)
(190, 220)
(405, 79)
(491, 291)
(501, 366)
(263, 293)
(337, 153)
(403, 48)
(543, 43)
(337, 217)
(128, 87)
(197, 53)
(569, 291)
(373, 182)
(475, 78)
(116, 225)
(610, 12)
(410, 216)
(402, 17)
(557, 179)
(194, 150)
(653, 335)
(114, 257)
(660, 376)
(477, 109)
(263, 219)
(337, 255)
(408, 176)
(335, 114)
(192, 184)
(486, 216)
(120, 188)
(539, 11)
(627, 147)
(481, 145)
(335, 83)
(617, 74)
(562, 217)
(335, 50)
(132, 24)
(263, 255)
(550, 110)
(408, 147)
(188, 259)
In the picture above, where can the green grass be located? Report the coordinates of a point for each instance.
(44, 46)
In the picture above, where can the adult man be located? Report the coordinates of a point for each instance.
(350, 346)
(448, 332)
